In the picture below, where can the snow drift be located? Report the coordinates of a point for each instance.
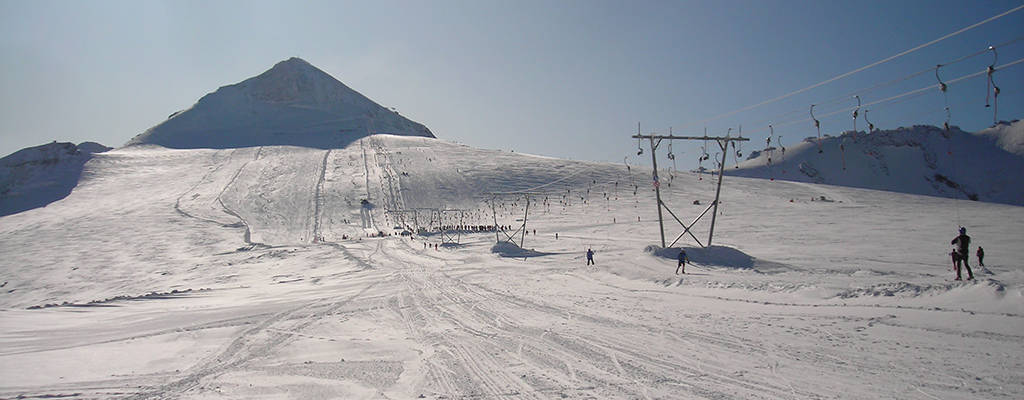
(37, 176)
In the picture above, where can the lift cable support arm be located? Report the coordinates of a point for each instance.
(655, 140)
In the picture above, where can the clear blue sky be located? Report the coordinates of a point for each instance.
(565, 79)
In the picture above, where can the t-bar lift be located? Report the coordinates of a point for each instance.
(723, 142)
(521, 230)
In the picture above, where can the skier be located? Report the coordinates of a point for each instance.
(963, 243)
(981, 256)
(682, 261)
(590, 257)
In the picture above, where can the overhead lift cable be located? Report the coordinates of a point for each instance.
(898, 98)
(817, 125)
(793, 115)
(890, 58)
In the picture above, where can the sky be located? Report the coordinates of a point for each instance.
(567, 79)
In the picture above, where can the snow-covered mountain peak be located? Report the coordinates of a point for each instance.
(293, 103)
(289, 80)
(295, 80)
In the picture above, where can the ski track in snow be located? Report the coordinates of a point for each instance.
(845, 299)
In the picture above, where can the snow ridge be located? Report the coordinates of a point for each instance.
(36, 176)
(922, 159)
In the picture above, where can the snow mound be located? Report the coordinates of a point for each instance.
(36, 176)
(721, 256)
(907, 290)
(1008, 135)
(293, 103)
(512, 250)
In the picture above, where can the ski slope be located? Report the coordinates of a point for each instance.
(252, 273)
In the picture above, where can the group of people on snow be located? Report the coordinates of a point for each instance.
(683, 259)
(960, 256)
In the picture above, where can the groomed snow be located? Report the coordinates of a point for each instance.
(201, 274)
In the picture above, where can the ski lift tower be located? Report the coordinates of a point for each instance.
(655, 140)
(521, 230)
(450, 224)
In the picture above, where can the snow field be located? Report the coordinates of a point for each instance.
(846, 298)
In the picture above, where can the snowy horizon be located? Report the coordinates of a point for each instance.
(295, 103)
(287, 237)
(565, 80)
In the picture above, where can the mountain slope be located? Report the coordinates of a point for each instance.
(1008, 135)
(293, 103)
(37, 176)
(251, 273)
(920, 160)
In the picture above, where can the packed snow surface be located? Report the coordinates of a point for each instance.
(259, 273)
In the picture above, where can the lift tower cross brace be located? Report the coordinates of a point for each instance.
(723, 142)
(521, 230)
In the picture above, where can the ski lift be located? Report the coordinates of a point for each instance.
(705, 148)
(992, 84)
(739, 151)
(942, 85)
(739, 147)
(736, 155)
(703, 157)
(817, 125)
(768, 148)
(640, 150)
(629, 171)
(670, 155)
(871, 128)
(779, 141)
(842, 152)
(945, 125)
(946, 134)
(855, 112)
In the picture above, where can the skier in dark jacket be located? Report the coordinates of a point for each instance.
(682, 261)
(981, 256)
(590, 256)
(963, 243)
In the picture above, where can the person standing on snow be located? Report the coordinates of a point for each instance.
(590, 257)
(963, 243)
(981, 256)
(682, 261)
